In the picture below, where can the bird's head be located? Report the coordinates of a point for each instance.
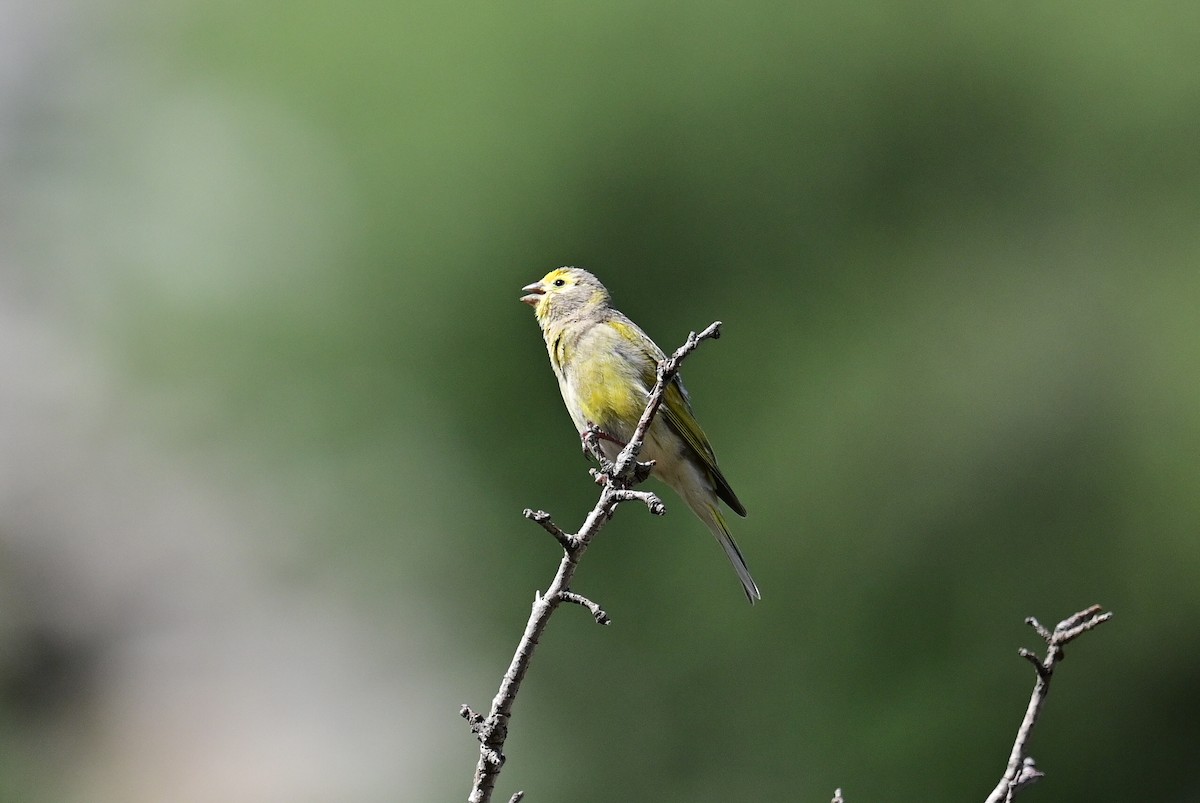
(564, 292)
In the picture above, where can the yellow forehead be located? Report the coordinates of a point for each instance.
(558, 273)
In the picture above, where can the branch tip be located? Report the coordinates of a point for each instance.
(1031, 657)
(1028, 774)
(1022, 770)
(579, 599)
(516, 798)
(542, 518)
(1070, 629)
(648, 498)
(1076, 619)
(1037, 626)
(475, 721)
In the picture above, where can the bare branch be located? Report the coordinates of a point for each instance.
(616, 486)
(1031, 657)
(473, 719)
(579, 599)
(667, 371)
(565, 540)
(1021, 770)
(652, 502)
(1081, 623)
(1040, 628)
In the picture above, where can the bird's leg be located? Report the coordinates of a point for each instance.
(590, 438)
(634, 475)
(599, 434)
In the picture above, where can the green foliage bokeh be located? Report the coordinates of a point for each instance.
(955, 250)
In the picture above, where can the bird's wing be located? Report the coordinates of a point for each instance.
(676, 410)
(677, 413)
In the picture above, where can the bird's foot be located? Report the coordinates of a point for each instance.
(590, 439)
(633, 473)
(592, 435)
(641, 471)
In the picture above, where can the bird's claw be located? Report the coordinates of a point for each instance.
(590, 439)
(633, 474)
(642, 471)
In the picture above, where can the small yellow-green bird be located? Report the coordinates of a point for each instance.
(606, 367)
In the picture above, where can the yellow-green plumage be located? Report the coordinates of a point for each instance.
(606, 367)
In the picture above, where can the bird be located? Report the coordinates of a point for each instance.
(606, 368)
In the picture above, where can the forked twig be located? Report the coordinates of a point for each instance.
(616, 481)
(1022, 770)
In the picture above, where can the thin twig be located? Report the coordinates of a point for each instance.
(473, 719)
(652, 502)
(565, 540)
(1021, 770)
(597, 612)
(616, 480)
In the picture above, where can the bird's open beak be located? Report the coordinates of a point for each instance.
(535, 291)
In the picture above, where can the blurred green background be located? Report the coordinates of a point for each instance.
(271, 408)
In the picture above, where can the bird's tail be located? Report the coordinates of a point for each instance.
(711, 516)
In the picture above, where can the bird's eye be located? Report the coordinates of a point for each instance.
(559, 282)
